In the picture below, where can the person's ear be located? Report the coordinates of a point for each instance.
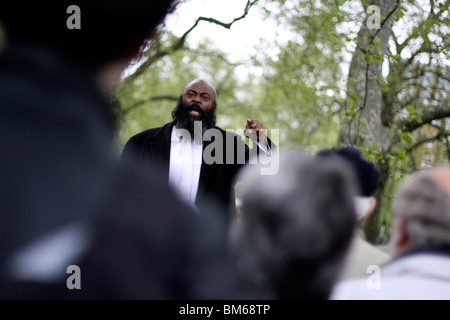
(372, 206)
(402, 241)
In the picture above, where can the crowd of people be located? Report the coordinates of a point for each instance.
(161, 222)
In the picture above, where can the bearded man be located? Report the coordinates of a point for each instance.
(201, 160)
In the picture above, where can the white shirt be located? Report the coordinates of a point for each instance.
(186, 161)
(185, 164)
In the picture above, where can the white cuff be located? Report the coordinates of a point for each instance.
(265, 148)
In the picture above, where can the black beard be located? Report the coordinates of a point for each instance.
(183, 120)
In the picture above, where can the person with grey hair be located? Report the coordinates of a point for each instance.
(421, 244)
(295, 227)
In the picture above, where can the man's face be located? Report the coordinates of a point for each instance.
(198, 95)
(196, 104)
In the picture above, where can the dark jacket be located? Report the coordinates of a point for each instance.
(217, 179)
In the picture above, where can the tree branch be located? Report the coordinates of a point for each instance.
(418, 32)
(438, 136)
(447, 145)
(427, 116)
(395, 39)
(180, 42)
(154, 98)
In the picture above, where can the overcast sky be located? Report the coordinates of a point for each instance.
(237, 42)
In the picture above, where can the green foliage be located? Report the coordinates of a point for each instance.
(289, 92)
(305, 82)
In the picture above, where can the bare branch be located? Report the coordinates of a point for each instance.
(395, 39)
(427, 116)
(447, 144)
(179, 43)
(158, 55)
(154, 98)
(438, 136)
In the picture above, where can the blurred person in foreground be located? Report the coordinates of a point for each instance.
(362, 255)
(292, 235)
(75, 223)
(421, 243)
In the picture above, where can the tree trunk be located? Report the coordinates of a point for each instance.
(372, 224)
(363, 126)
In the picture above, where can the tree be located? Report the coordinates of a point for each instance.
(398, 117)
(302, 84)
(390, 117)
